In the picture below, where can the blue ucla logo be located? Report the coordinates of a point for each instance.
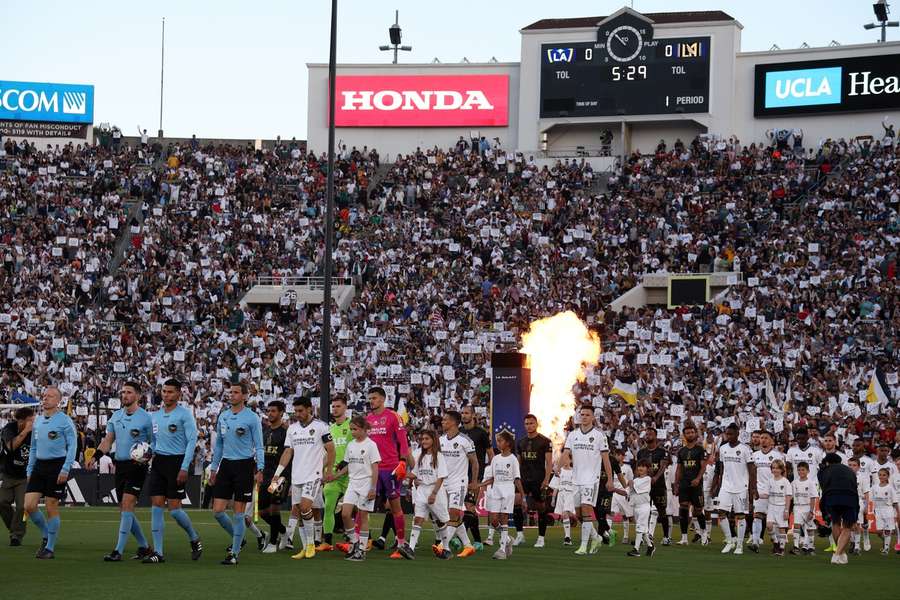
(803, 87)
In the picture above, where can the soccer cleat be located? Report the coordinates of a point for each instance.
(539, 543)
(509, 549)
(230, 559)
(500, 554)
(520, 539)
(651, 550)
(261, 542)
(897, 547)
(605, 537)
(567, 541)
(867, 545)
(43, 544)
(795, 551)
(831, 548)
(407, 552)
(196, 549)
(324, 547)
(595, 544)
(582, 551)
(142, 553)
(634, 553)
(478, 546)
(113, 556)
(739, 549)
(243, 543)
(856, 551)
(284, 542)
(683, 542)
(395, 555)
(446, 555)
(44, 554)
(343, 547)
(154, 559)
(729, 547)
(754, 548)
(299, 556)
(489, 541)
(697, 538)
(884, 551)
(310, 550)
(667, 542)
(379, 543)
(613, 537)
(437, 549)
(810, 551)
(270, 549)
(15, 542)
(466, 552)
(369, 546)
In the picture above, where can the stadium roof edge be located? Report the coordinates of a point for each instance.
(783, 51)
(662, 18)
(461, 65)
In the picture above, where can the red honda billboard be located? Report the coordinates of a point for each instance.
(422, 100)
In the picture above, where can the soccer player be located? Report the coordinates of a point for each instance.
(659, 461)
(763, 459)
(429, 498)
(341, 436)
(587, 448)
(504, 481)
(805, 493)
(887, 509)
(269, 503)
(830, 446)
(563, 486)
(735, 476)
(643, 508)
(603, 506)
(688, 484)
(804, 452)
(484, 453)
(386, 430)
(777, 492)
(308, 449)
(129, 425)
(710, 510)
(620, 504)
(362, 460)
(174, 445)
(459, 453)
(535, 453)
(238, 446)
(53, 446)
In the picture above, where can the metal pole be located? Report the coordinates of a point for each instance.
(396, 22)
(162, 67)
(325, 373)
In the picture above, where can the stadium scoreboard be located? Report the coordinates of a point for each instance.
(625, 72)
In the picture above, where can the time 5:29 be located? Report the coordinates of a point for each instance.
(630, 73)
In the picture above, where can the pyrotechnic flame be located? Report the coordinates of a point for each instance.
(558, 349)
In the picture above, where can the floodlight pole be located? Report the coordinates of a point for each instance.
(162, 70)
(325, 372)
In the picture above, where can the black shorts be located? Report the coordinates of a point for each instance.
(164, 476)
(604, 503)
(266, 498)
(660, 500)
(841, 509)
(533, 489)
(693, 495)
(43, 479)
(130, 477)
(234, 479)
(471, 498)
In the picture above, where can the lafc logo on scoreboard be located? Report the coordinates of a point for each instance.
(684, 50)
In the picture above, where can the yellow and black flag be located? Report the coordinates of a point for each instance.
(878, 391)
(626, 388)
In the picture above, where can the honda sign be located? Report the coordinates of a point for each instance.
(422, 101)
(46, 102)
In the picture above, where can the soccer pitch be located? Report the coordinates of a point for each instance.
(78, 571)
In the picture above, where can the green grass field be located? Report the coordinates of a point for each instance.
(674, 572)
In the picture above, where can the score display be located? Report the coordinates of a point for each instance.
(625, 75)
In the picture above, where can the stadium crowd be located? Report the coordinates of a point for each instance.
(453, 253)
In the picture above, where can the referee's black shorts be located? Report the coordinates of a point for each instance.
(43, 479)
(234, 480)
(164, 476)
(130, 477)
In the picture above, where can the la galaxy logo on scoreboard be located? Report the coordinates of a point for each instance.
(560, 55)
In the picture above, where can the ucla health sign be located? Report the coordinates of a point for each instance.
(827, 86)
(46, 102)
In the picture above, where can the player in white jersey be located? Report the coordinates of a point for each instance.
(505, 482)
(830, 446)
(643, 508)
(309, 449)
(804, 452)
(429, 498)
(778, 493)
(361, 458)
(887, 509)
(563, 486)
(805, 495)
(763, 459)
(861, 527)
(459, 453)
(735, 476)
(710, 501)
(588, 449)
(883, 461)
(620, 504)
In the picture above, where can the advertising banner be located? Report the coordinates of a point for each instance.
(510, 393)
(422, 100)
(50, 102)
(40, 129)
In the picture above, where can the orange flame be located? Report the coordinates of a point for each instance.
(558, 349)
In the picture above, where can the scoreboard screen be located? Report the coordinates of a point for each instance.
(625, 75)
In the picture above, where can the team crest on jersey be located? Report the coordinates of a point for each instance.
(771, 458)
(362, 451)
(738, 452)
(135, 432)
(52, 435)
(311, 432)
(591, 439)
(240, 431)
(173, 428)
(455, 445)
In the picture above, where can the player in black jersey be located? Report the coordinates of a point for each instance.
(535, 453)
(688, 484)
(603, 507)
(658, 458)
(484, 453)
(274, 437)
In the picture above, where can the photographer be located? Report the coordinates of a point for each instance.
(16, 440)
(840, 502)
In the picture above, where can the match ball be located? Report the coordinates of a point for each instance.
(455, 545)
(141, 453)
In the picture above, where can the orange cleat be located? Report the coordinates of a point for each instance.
(396, 555)
(466, 552)
(342, 547)
(369, 546)
(324, 547)
(438, 550)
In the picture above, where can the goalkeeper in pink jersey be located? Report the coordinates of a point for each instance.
(386, 430)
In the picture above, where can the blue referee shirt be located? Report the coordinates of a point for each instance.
(175, 433)
(239, 437)
(53, 437)
(129, 430)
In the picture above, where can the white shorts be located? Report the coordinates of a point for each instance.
(498, 502)
(885, 519)
(644, 517)
(775, 515)
(621, 506)
(357, 495)
(709, 502)
(672, 505)
(761, 506)
(423, 510)
(800, 516)
(587, 494)
(565, 502)
(456, 496)
(735, 502)
(309, 490)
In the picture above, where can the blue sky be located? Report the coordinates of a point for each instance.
(237, 68)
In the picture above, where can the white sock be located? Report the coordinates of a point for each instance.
(307, 532)
(654, 518)
(854, 537)
(648, 539)
(797, 538)
(491, 530)
(756, 535)
(504, 535)
(726, 529)
(567, 527)
(318, 530)
(696, 525)
(291, 527)
(866, 535)
(586, 530)
(887, 540)
(741, 530)
(354, 537)
(463, 535)
(625, 527)
(414, 536)
(253, 528)
(638, 538)
(442, 535)
(809, 537)
(363, 539)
